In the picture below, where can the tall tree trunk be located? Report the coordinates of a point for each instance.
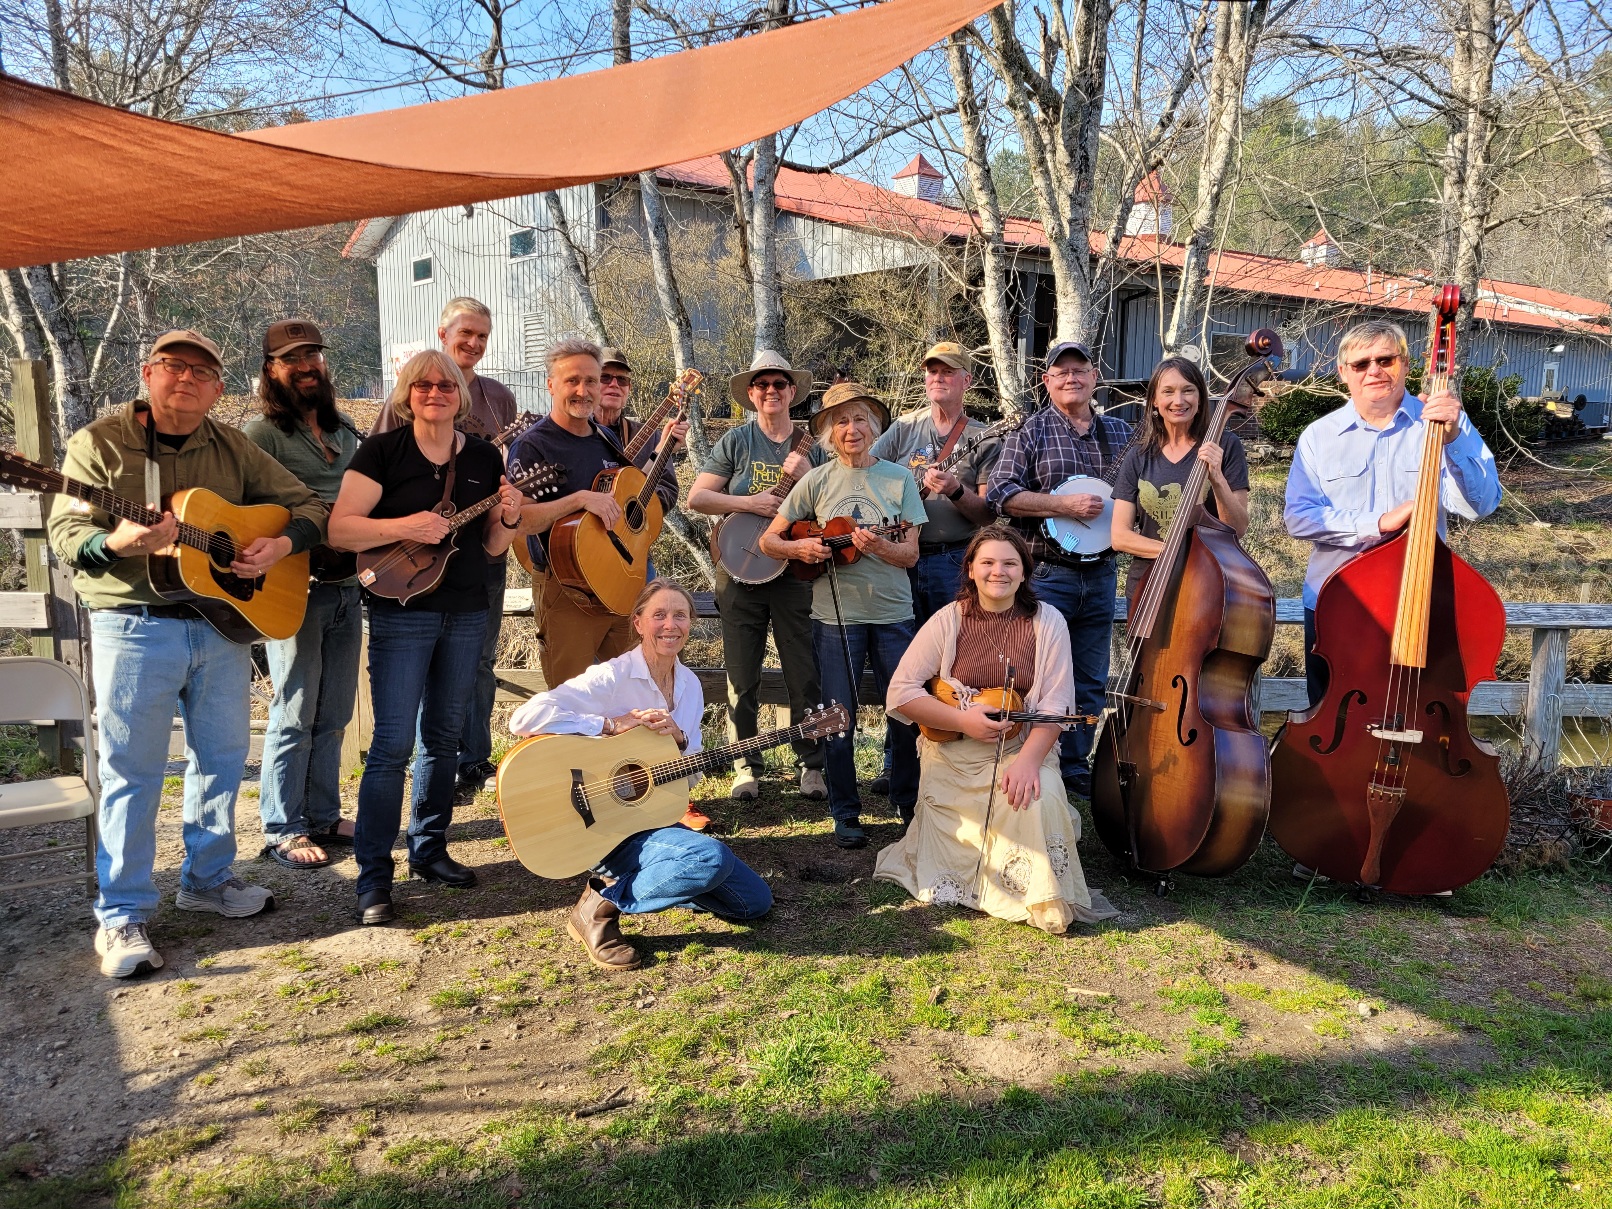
(1468, 183)
(70, 369)
(17, 316)
(1237, 31)
(575, 267)
(767, 284)
(999, 330)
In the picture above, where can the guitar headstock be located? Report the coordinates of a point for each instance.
(689, 383)
(543, 479)
(1011, 422)
(826, 721)
(29, 476)
(506, 435)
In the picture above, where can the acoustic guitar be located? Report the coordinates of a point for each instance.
(736, 540)
(568, 800)
(196, 570)
(404, 570)
(610, 564)
(1008, 423)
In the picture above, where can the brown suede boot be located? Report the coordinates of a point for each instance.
(595, 924)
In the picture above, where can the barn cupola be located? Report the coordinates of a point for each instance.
(919, 179)
(1320, 252)
(1150, 208)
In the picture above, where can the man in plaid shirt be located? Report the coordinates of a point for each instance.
(1061, 441)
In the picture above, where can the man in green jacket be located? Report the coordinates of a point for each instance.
(151, 657)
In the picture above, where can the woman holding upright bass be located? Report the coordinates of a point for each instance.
(422, 654)
(1009, 852)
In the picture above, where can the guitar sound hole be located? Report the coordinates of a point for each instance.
(629, 782)
(220, 553)
(634, 512)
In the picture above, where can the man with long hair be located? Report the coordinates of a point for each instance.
(315, 672)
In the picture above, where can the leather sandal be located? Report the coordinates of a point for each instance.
(595, 924)
(280, 853)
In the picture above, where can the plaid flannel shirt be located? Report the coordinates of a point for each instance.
(1044, 453)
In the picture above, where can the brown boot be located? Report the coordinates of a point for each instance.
(595, 924)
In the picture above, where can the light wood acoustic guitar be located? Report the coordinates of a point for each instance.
(196, 570)
(404, 570)
(642, 435)
(608, 566)
(736, 540)
(568, 800)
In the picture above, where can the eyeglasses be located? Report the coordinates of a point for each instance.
(616, 379)
(442, 388)
(311, 356)
(178, 369)
(1064, 375)
(1386, 361)
(770, 384)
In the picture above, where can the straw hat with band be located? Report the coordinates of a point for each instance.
(768, 362)
(840, 394)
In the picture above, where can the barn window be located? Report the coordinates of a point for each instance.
(1552, 368)
(423, 270)
(522, 243)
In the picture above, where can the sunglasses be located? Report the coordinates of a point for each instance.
(441, 388)
(615, 380)
(770, 383)
(1386, 361)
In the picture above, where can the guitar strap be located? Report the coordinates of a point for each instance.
(952, 438)
(1104, 452)
(153, 469)
(446, 507)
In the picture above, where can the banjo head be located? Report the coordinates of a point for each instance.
(1093, 536)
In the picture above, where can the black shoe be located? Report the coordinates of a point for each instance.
(880, 784)
(447, 871)
(375, 907)
(1078, 787)
(473, 778)
(848, 833)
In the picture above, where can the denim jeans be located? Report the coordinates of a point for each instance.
(421, 669)
(1085, 597)
(476, 741)
(315, 674)
(881, 646)
(676, 867)
(145, 668)
(935, 580)
(746, 611)
(1317, 675)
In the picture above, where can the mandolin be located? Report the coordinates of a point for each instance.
(1003, 703)
(404, 570)
(736, 540)
(1381, 783)
(196, 571)
(611, 564)
(836, 535)
(568, 800)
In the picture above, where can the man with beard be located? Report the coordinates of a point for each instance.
(315, 672)
(464, 329)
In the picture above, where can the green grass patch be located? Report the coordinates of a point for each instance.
(376, 1022)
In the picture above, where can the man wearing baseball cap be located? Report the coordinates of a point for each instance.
(315, 672)
(1065, 440)
(152, 658)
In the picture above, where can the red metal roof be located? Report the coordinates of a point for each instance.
(918, 167)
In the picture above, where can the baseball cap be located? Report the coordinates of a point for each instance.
(288, 334)
(1068, 346)
(949, 352)
(185, 335)
(613, 356)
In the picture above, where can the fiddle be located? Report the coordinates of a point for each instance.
(1381, 782)
(1004, 704)
(836, 535)
(1181, 778)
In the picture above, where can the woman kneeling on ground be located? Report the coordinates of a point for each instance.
(670, 866)
(1019, 863)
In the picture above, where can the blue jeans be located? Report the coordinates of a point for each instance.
(315, 674)
(882, 646)
(145, 668)
(935, 580)
(421, 669)
(1316, 673)
(476, 741)
(676, 867)
(1085, 597)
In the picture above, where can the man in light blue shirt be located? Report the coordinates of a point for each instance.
(1355, 470)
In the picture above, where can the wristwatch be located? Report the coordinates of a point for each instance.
(954, 496)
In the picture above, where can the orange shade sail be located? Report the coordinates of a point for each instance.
(103, 180)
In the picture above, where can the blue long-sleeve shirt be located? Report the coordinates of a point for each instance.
(1346, 474)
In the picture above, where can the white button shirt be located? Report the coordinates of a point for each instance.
(608, 690)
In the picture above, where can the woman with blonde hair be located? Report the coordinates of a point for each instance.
(422, 655)
(670, 866)
(1011, 854)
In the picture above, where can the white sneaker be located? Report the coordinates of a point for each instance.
(126, 950)
(744, 788)
(233, 899)
(812, 784)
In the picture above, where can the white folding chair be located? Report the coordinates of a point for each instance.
(35, 691)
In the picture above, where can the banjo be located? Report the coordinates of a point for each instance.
(1094, 535)
(736, 540)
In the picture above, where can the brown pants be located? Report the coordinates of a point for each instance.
(569, 639)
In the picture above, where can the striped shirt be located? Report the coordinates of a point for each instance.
(1045, 452)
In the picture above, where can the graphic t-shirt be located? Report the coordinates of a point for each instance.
(411, 482)
(750, 462)
(914, 437)
(872, 592)
(1154, 484)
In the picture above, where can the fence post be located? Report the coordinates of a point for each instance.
(1547, 675)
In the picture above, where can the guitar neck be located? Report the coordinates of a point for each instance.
(128, 510)
(782, 487)
(650, 426)
(652, 476)
(482, 507)
(719, 757)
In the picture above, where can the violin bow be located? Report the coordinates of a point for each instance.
(996, 768)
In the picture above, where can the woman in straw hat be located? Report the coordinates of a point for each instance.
(870, 621)
(742, 476)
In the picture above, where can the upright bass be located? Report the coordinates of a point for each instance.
(1182, 777)
(1382, 783)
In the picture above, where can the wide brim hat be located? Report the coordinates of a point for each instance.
(768, 362)
(839, 395)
